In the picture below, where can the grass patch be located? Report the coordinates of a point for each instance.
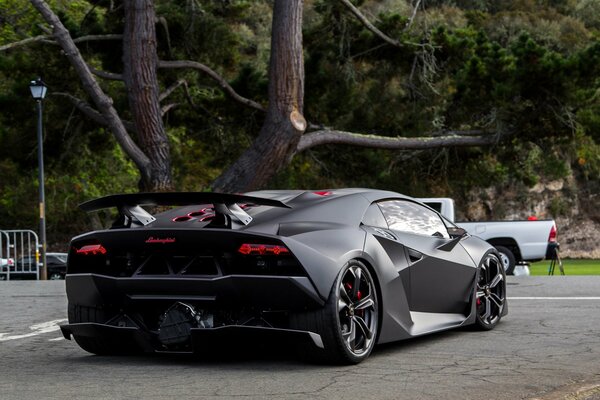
(572, 267)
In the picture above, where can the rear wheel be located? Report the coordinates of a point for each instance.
(491, 292)
(507, 258)
(94, 345)
(348, 324)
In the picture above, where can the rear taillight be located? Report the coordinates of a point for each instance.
(11, 261)
(263, 249)
(553, 235)
(91, 249)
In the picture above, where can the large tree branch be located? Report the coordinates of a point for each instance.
(46, 39)
(95, 38)
(24, 42)
(450, 139)
(214, 76)
(102, 101)
(90, 112)
(111, 76)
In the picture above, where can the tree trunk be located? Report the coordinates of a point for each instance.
(140, 62)
(284, 123)
(102, 101)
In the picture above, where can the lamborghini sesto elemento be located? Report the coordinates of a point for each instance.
(330, 272)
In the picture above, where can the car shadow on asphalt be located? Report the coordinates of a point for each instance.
(418, 343)
(266, 354)
(217, 356)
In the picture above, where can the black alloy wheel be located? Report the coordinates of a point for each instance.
(348, 323)
(491, 292)
(357, 310)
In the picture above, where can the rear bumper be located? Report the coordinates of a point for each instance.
(202, 339)
(136, 301)
(273, 292)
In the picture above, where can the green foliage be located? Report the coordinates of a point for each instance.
(571, 267)
(527, 68)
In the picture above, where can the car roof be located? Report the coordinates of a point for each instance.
(340, 206)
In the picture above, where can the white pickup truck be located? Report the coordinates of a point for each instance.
(516, 241)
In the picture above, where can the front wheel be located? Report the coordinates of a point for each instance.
(490, 295)
(348, 323)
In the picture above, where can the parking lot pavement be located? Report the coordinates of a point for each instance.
(549, 342)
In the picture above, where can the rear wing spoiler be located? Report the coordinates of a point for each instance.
(129, 205)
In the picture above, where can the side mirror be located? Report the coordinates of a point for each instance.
(456, 232)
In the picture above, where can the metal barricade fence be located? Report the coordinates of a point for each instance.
(5, 261)
(20, 249)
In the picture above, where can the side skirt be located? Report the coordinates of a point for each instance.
(433, 322)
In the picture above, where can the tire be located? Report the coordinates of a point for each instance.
(55, 276)
(348, 323)
(490, 292)
(507, 258)
(94, 345)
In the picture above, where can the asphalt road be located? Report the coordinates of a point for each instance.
(547, 347)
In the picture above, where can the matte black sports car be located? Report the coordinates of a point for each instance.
(332, 272)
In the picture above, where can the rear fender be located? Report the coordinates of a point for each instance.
(323, 253)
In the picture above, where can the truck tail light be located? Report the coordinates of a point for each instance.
(553, 235)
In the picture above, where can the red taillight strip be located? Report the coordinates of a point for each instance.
(92, 249)
(323, 193)
(263, 249)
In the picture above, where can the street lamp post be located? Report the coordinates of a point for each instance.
(38, 91)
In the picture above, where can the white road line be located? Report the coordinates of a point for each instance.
(56, 339)
(555, 298)
(38, 329)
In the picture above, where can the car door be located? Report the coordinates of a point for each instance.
(441, 273)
